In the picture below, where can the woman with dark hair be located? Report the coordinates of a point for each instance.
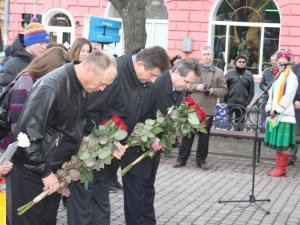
(49, 60)
(80, 48)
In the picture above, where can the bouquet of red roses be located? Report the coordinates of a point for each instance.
(183, 120)
(94, 153)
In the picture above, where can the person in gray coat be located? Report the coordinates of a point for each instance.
(210, 84)
(266, 80)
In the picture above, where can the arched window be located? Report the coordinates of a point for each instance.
(156, 23)
(246, 27)
(60, 25)
(61, 20)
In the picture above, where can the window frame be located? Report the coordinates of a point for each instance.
(211, 35)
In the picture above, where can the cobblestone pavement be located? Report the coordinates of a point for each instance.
(189, 196)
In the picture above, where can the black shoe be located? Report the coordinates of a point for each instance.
(203, 166)
(179, 164)
(291, 163)
(176, 144)
(113, 189)
(118, 185)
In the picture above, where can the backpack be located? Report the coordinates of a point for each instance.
(4, 108)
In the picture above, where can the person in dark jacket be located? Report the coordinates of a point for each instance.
(266, 80)
(170, 88)
(240, 84)
(221, 61)
(293, 151)
(130, 98)
(53, 118)
(138, 183)
(23, 49)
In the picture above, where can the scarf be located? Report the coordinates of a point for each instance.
(239, 70)
(278, 90)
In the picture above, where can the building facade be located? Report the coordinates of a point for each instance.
(255, 28)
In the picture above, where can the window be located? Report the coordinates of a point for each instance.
(246, 27)
(60, 25)
(60, 20)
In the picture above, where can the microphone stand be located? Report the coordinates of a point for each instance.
(252, 198)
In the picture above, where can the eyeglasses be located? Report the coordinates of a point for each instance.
(241, 61)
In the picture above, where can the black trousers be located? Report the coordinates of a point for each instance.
(78, 204)
(202, 147)
(139, 196)
(24, 188)
(236, 116)
(92, 206)
(114, 171)
(100, 204)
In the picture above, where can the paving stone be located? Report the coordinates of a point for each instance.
(189, 196)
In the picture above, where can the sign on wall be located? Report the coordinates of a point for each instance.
(104, 30)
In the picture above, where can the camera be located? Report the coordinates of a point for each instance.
(206, 89)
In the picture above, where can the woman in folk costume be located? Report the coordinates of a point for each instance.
(280, 129)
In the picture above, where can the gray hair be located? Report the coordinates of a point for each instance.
(207, 48)
(101, 60)
(185, 65)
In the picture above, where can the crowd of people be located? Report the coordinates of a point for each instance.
(60, 95)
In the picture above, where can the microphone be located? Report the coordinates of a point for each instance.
(284, 64)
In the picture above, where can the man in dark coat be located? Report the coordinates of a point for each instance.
(169, 88)
(240, 84)
(139, 191)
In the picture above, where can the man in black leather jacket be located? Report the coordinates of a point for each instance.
(240, 84)
(53, 119)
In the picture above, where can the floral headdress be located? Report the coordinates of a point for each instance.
(282, 53)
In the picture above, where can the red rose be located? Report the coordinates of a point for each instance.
(199, 112)
(123, 127)
(195, 106)
(117, 120)
(103, 122)
(189, 100)
(207, 122)
(202, 115)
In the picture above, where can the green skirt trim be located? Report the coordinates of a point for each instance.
(281, 137)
